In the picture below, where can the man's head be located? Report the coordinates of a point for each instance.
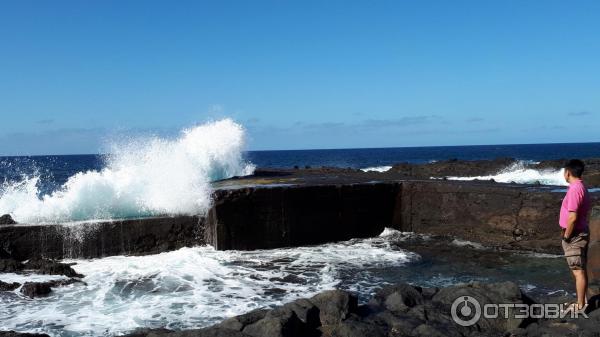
(573, 169)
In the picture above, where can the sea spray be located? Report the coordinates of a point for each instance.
(519, 172)
(142, 177)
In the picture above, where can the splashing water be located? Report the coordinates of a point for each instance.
(519, 173)
(196, 287)
(143, 177)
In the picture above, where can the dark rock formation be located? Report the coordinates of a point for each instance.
(400, 310)
(90, 240)
(593, 255)
(6, 219)
(10, 266)
(50, 267)
(36, 289)
(9, 286)
(21, 334)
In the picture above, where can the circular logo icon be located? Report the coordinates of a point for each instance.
(466, 311)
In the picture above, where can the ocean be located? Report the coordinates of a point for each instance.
(53, 171)
(198, 286)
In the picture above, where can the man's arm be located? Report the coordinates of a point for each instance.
(570, 225)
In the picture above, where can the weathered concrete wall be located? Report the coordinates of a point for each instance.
(90, 240)
(259, 218)
(499, 215)
(593, 264)
(508, 216)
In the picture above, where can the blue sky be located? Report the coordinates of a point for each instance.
(299, 74)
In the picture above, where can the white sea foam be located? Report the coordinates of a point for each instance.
(376, 169)
(520, 173)
(466, 243)
(143, 177)
(195, 287)
(22, 278)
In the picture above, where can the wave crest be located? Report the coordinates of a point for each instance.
(143, 177)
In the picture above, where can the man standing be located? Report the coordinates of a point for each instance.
(574, 223)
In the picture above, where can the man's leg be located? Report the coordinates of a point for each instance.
(580, 285)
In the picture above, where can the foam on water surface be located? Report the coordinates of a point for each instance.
(376, 169)
(520, 173)
(195, 287)
(142, 177)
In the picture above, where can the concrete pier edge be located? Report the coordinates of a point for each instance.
(509, 216)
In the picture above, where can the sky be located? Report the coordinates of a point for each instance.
(299, 74)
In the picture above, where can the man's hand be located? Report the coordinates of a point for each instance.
(570, 226)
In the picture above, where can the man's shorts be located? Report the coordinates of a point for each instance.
(576, 250)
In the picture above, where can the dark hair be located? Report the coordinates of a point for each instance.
(575, 167)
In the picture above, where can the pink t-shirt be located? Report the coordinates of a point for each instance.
(576, 200)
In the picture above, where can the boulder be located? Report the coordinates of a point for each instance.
(6, 219)
(51, 267)
(353, 328)
(279, 322)
(9, 286)
(239, 322)
(397, 298)
(36, 289)
(10, 266)
(21, 334)
(334, 306)
(495, 293)
(206, 332)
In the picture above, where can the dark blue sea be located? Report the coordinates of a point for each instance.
(54, 170)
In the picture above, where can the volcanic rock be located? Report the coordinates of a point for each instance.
(9, 286)
(6, 219)
(10, 266)
(21, 334)
(36, 289)
(51, 267)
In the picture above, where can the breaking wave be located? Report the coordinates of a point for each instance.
(520, 173)
(376, 169)
(196, 287)
(142, 177)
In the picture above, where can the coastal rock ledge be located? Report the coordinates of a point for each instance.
(394, 311)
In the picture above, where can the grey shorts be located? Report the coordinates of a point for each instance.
(576, 250)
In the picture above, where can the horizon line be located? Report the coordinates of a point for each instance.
(329, 149)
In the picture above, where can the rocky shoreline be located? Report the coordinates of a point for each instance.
(393, 311)
(439, 169)
(298, 207)
(396, 310)
(38, 266)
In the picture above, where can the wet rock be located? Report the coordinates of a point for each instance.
(397, 298)
(280, 322)
(398, 324)
(51, 267)
(334, 306)
(21, 334)
(306, 311)
(207, 332)
(9, 286)
(10, 266)
(353, 328)
(239, 322)
(6, 219)
(428, 315)
(36, 289)
(506, 292)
